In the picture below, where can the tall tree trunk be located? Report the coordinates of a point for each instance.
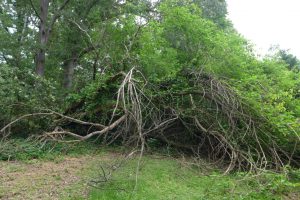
(43, 34)
(95, 66)
(69, 67)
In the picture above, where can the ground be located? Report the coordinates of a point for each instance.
(38, 179)
(160, 177)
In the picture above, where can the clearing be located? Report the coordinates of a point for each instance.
(70, 177)
(63, 178)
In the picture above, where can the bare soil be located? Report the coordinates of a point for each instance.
(64, 179)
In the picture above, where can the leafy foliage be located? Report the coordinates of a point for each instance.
(92, 43)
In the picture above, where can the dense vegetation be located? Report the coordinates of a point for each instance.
(137, 73)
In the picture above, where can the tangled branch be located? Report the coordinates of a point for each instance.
(203, 116)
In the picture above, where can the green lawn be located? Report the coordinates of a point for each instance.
(170, 179)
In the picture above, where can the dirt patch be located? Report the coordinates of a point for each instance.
(64, 179)
(293, 196)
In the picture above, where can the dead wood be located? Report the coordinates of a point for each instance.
(205, 117)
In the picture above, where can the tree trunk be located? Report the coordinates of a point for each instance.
(69, 67)
(95, 66)
(43, 34)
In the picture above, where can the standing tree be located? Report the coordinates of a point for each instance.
(45, 30)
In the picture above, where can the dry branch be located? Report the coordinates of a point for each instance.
(207, 118)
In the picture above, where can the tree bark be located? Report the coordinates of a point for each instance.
(43, 38)
(45, 31)
(69, 67)
(95, 67)
(70, 64)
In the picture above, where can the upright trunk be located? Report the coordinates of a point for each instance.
(95, 66)
(69, 67)
(43, 38)
(22, 25)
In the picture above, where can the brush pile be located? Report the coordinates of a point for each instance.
(193, 112)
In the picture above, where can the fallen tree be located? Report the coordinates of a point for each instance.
(193, 111)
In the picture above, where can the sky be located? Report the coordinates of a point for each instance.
(267, 22)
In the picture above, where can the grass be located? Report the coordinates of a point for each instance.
(159, 177)
(168, 179)
(27, 150)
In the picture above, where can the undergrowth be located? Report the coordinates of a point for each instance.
(26, 149)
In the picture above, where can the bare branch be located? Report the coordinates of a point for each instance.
(52, 113)
(22, 117)
(77, 120)
(35, 10)
(57, 15)
(105, 130)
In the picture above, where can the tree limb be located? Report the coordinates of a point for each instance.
(106, 129)
(36, 12)
(22, 117)
(57, 15)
